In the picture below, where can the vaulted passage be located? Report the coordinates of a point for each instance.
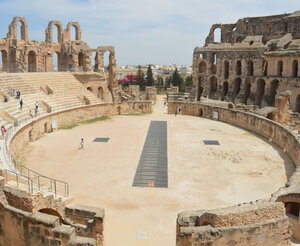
(273, 91)
(213, 86)
(236, 88)
(225, 90)
(32, 61)
(298, 104)
(247, 90)
(153, 164)
(260, 91)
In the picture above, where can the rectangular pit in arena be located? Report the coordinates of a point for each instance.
(211, 142)
(101, 140)
(152, 170)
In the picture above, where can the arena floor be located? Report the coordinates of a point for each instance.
(242, 168)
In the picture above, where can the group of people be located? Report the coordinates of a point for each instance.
(36, 110)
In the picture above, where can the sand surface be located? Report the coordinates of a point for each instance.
(242, 168)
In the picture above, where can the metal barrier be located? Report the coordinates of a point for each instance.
(34, 180)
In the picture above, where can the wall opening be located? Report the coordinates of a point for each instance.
(295, 68)
(292, 208)
(73, 33)
(20, 30)
(250, 68)
(202, 67)
(298, 104)
(200, 112)
(273, 92)
(100, 93)
(106, 61)
(55, 62)
(55, 34)
(279, 68)
(226, 69)
(95, 65)
(236, 88)
(247, 90)
(224, 90)
(238, 68)
(239, 39)
(265, 68)
(89, 89)
(268, 28)
(52, 212)
(217, 35)
(213, 86)
(81, 60)
(3, 60)
(200, 89)
(260, 91)
(32, 61)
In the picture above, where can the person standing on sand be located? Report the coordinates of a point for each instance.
(81, 144)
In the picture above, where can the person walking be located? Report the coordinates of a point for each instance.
(82, 144)
(36, 105)
(21, 103)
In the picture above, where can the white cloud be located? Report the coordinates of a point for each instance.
(143, 31)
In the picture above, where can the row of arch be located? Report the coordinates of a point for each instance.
(202, 68)
(260, 97)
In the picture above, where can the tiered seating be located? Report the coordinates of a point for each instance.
(65, 92)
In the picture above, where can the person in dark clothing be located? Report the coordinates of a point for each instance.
(21, 104)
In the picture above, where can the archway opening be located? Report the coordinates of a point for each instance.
(3, 60)
(295, 68)
(213, 86)
(224, 90)
(226, 69)
(279, 68)
(55, 62)
(298, 104)
(55, 34)
(202, 67)
(236, 88)
(250, 68)
(100, 93)
(20, 30)
(31, 61)
(238, 68)
(273, 91)
(52, 212)
(81, 61)
(260, 91)
(73, 33)
(292, 208)
(89, 89)
(95, 65)
(247, 90)
(106, 61)
(217, 35)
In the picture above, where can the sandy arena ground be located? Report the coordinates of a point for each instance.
(243, 168)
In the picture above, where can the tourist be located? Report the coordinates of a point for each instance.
(5, 99)
(81, 144)
(165, 103)
(30, 114)
(21, 103)
(3, 131)
(36, 111)
(12, 92)
(179, 110)
(18, 94)
(36, 105)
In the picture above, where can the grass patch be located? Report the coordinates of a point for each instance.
(102, 118)
(132, 114)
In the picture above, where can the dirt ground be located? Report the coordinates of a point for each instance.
(242, 168)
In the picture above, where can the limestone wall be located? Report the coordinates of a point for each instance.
(280, 135)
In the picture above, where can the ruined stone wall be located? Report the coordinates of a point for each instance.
(251, 224)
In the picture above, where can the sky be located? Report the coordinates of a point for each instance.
(142, 31)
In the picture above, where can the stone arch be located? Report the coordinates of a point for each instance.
(279, 68)
(295, 69)
(298, 104)
(250, 68)
(238, 67)
(260, 91)
(49, 31)
(202, 67)
(273, 91)
(77, 31)
(13, 32)
(32, 65)
(4, 59)
(56, 61)
(225, 89)
(236, 88)
(81, 59)
(217, 35)
(247, 91)
(52, 212)
(226, 69)
(213, 86)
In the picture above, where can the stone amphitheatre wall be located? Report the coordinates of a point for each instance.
(41, 219)
(275, 231)
(39, 127)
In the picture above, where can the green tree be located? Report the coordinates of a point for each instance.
(149, 78)
(140, 78)
(189, 80)
(177, 80)
(168, 82)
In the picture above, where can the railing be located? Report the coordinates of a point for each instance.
(33, 180)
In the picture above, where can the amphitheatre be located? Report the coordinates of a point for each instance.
(223, 171)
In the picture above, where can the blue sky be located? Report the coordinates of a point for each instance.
(142, 31)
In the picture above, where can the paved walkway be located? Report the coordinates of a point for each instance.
(242, 168)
